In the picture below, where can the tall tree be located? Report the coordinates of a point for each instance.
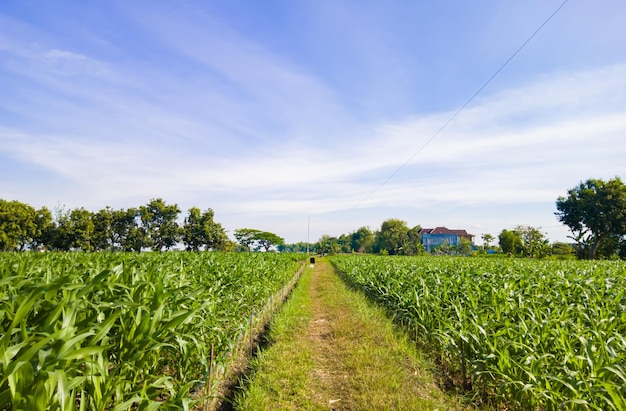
(267, 240)
(160, 223)
(246, 237)
(328, 245)
(362, 240)
(594, 211)
(393, 236)
(487, 240)
(200, 230)
(534, 242)
(126, 231)
(251, 237)
(103, 238)
(414, 245)
(193, 233)
(510, 242)
(74, 230)
(45, 228)
(18, 225)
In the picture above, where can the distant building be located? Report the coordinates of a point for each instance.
(432, 237)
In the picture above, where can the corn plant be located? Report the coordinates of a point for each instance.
(124, 331)
(542, 335)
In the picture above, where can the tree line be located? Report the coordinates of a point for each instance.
(394, 237)
(594, 211)
(151, 226)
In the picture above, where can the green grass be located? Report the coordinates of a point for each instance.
(280, 373)
(332, 349)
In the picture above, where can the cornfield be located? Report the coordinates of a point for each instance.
(525, 334)
(108, 331)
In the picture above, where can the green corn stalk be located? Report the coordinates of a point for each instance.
(107, 331)
(530, 334)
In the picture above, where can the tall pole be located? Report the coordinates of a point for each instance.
(308, 230)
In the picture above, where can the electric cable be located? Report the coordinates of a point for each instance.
(458, 111)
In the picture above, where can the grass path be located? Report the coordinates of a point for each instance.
(330, 349)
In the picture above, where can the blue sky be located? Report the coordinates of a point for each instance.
(276, 112)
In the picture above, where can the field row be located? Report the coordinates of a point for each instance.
(109, 331)
(542, 335)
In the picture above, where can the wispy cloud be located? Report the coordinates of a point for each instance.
(208, 116)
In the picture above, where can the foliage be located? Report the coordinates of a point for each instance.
(464, 247)
(153, 225)
(533, 242)
(267, 240)
(362, 240)
(102, 237)
(510, 242)
(562, 249)
(200, 230)
(251, 238)
(395, 237)
(299, 247)
(74, 230)
(113, 331)
(594, 211)
(487, 240)
(330, 245)
(159, 222)
(18, 226)
(246, 237)
(545, 335)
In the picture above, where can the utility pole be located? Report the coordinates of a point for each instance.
(308, 230)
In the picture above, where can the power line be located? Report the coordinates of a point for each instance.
(456, 113)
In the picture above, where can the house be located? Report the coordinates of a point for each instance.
(432, 237)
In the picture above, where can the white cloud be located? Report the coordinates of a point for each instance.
(68, 63)
(226, 122)
(472, 161)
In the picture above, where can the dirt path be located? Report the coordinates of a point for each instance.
(332, 350)
(329, 372)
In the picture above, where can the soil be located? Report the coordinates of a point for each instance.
(329, 374)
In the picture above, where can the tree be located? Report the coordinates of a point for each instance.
(534, 243)
(393, 236)
(159, 223)
(103, 238)
(299, 247)
(251, 237)
(362, 240)
(45, 228)
(487, 240)
(200, 230)
(464, 247)
(562, 249)
(193, 232)
(413, 245)
(594, 211)
(328, 245)
(74, 230)
(266, 240)
(345, 243)
(18, 225)
(246, 237)
(510, 242)
(126, 231)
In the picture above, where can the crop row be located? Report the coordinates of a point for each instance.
(118, 331)
(541, 335)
